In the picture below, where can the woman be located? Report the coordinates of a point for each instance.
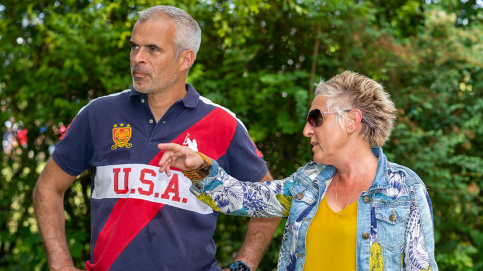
(350, 209)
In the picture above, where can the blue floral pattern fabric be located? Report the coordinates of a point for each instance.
(417, 257)
(398, 221)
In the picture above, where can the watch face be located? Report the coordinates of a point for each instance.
(240, 266)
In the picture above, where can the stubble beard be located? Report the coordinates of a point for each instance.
(159, 85)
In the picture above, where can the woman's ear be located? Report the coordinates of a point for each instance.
(354, 119)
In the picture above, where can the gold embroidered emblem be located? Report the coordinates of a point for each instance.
(121, 136)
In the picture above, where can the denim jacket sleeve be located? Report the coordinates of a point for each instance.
(228, 195)
(419, 248)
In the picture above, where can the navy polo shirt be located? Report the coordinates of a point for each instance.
(142, 219)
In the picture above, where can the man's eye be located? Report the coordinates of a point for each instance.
(153, 49)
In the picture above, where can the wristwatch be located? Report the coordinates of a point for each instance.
(239, 266)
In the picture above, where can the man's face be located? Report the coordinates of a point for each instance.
(154, 67)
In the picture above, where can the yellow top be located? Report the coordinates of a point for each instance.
(331, 239)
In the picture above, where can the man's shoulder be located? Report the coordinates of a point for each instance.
(225, 113)
(108, 102)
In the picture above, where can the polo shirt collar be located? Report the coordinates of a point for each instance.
(134, 92)
(192, 97)
(190, 100)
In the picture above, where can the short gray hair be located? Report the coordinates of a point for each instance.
(350, 90)
(188, 32)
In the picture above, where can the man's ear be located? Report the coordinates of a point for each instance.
(186, 59)
(354, 120)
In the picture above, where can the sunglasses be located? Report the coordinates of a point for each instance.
(316, 117)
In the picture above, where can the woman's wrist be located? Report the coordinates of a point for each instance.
(196, 175)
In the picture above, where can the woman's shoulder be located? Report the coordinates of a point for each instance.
(409, 176)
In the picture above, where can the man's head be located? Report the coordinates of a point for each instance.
(188, 32)
(164, 43)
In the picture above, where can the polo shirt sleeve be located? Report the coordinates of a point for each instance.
(74, 150)
(244, 161)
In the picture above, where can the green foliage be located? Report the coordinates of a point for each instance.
(261, 59)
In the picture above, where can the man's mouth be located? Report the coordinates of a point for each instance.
(139, 74)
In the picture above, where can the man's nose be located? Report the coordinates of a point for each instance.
(139, 56)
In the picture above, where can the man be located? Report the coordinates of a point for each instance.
(142, 219)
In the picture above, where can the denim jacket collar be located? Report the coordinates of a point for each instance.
(381, 179)
(326, 172)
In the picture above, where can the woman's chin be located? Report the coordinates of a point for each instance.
(317, 159)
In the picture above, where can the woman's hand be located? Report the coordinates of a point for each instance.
(178, 156)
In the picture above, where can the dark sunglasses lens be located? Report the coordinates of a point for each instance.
(315, 118)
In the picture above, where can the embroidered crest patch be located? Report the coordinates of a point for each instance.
(121, 136)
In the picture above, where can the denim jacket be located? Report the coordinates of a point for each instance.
(395, 228)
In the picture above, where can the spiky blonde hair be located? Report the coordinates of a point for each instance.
(350, 90)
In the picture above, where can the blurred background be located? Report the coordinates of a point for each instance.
(261, 59)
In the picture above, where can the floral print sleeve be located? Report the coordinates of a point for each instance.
(228, 195)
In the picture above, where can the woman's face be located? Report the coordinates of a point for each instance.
(328, 139)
